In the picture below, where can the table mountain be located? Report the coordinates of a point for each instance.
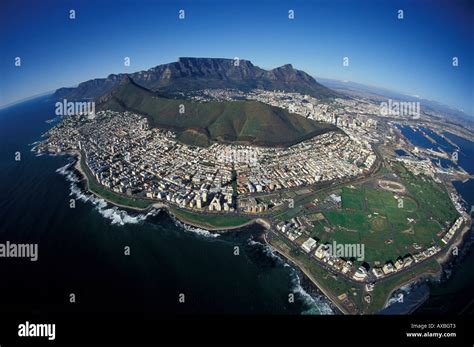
(189, 74)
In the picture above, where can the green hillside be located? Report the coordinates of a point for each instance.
(246, 122)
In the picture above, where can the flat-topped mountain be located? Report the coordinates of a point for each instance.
(188, 74)
(243, 122)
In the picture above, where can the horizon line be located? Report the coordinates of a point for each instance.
(24, 99)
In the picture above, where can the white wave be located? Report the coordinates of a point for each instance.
(198, 231)
(52, 120)
(63, 170)
(113, 213)
(49, 154)
(269, 252)
(116, 215)
(394, 299)
(399, 294)
(120, 217)
(318, 304)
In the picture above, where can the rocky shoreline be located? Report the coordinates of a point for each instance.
(266, 225)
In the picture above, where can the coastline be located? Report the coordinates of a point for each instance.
(441, 259)
(310, 277)
(265, 224)
(448, 253)
(78, 168)
(162, 205)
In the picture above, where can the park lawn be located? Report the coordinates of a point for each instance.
(433, 199)
(343, 236)
(398, 219)
(387, 228)
(427, 226)
(408, 204)
(377, 248)
(378, 223)
(378, 200)
(212, 221)
(352, 199)
(348, 219)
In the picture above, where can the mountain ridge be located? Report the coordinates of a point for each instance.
(202, 123)
(190, 73)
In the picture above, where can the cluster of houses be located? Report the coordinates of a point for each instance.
(326, 157)
(294, 229)
(252, 205)
(450, 233)
(291, 229)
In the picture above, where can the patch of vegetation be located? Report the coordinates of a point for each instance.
(199, 123)
(210, 220)
(349, 220)
(390, 224)
(352, 199)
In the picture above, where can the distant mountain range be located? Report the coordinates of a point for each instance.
(377, 94)
(188, 74)
(242, 122)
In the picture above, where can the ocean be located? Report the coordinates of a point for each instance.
(81, 250)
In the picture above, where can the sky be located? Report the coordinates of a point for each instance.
(413, 55)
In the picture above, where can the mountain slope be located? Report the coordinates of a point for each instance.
(245, 122)
(189, 74)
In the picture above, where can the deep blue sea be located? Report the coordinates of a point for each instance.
(416, 137)
(466, 153)
(441, 142)
(81, 249)
(401, 152)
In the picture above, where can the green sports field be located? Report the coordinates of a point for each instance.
(389, 224)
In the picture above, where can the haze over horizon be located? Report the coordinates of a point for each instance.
(412, 55)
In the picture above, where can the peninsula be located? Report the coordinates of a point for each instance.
(323, 173)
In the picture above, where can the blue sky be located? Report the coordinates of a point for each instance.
(413, 55)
